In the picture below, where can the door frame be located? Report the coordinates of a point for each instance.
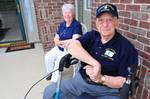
(20, 20)
(83, 14)
(29, 20)
(25, 18)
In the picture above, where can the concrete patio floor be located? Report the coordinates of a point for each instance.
(19, 71)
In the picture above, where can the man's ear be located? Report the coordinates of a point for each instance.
(96, 23)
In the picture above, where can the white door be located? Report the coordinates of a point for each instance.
(83, 12)
(29, 20)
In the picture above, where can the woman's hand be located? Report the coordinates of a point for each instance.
(56, 41)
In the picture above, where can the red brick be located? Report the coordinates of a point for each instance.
(144, 40)
(124, 27)
(146, 63)
(114, 1)
(124, 14)
(46, 1)
(145, 25)
(145, 8)
(139, 92)
(121, 20)
(139, 45)
(133, 7)
(131, 22)
(130, 35)
(140, 16)
(147, 80)
(141, 1)
(148, 34)
(144, 55)
(104, 1)
(142, 74)
(120, 6)
(125, 1)
(145, 94)
(147, 49)
(138, 31)
(95, 1)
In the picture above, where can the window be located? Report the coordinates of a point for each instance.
(11, 26)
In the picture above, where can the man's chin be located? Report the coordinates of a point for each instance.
(105, 32)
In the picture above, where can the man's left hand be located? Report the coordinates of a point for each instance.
(93, 72)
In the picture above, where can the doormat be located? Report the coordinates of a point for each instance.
(20, 47)
(11, 43)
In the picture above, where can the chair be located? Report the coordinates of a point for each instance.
(128, 88)
(84, 28)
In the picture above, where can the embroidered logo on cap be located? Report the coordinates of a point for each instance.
(105, 7)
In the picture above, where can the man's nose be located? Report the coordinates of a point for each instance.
(105, 23)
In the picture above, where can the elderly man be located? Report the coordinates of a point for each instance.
(105, 56)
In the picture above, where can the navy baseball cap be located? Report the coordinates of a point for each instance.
(110, 8)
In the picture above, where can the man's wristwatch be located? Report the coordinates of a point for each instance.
(103, 79)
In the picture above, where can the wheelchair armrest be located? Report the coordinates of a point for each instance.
(125, 91)
(134, 85)
(131, 83)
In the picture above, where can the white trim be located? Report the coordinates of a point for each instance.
(76, 9)
(29, 20)
(85, 5)
(34, 21)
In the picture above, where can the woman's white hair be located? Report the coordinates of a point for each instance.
(68, 7)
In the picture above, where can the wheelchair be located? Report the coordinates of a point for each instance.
(128, 89)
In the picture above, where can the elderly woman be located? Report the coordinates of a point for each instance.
(70, 28)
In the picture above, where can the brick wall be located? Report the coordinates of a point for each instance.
(135, 25)
(49, 16)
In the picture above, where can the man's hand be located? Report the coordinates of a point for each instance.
(94, 72)
(75, 48)
(64, 43)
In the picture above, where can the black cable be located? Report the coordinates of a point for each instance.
(38, 82)
(66, 61)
